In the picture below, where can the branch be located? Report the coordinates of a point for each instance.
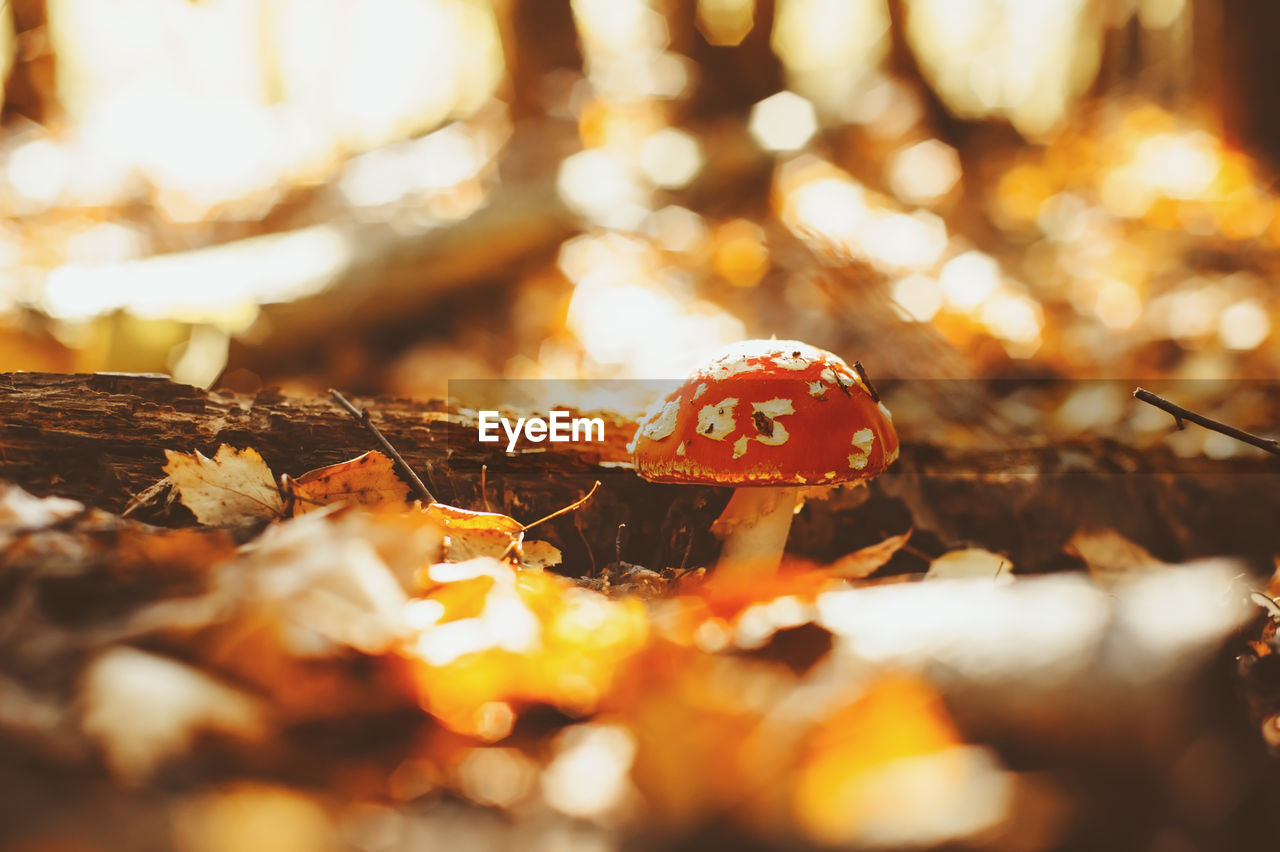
(1179, 414)
(362, 415)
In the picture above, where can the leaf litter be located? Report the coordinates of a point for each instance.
(353, 607)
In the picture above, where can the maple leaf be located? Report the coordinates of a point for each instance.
(231, 488)
(367, 480)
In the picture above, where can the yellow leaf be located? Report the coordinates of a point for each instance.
(367, 480)
(537, 555)
(231, 488)
(472, 534)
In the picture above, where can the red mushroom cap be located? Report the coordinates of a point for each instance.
(767, 412)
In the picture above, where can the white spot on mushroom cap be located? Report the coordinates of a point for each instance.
(793, 360)
(864, 440)
(885, 411)
(680, 449)
(750, 355)
(716, 421)
(659, 427)
(740, 447)
(817, 390)
(773, 409)
(702, 388)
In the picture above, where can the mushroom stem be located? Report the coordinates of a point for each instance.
(754, 528)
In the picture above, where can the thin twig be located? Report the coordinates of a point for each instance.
(862, 374)
(142, 498)
(558, 512)
(1180, 414)
(362, 415)
(688, 548)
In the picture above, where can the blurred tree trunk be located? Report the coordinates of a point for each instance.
(1238, 64)
(729, 78)
(31, 90)
(539, 39)
(902, 63)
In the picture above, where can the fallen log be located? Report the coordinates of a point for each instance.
(100, 439)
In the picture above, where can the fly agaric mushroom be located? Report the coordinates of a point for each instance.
(769, 417)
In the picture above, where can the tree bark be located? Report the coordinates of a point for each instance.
(31, 90)
(100, 439)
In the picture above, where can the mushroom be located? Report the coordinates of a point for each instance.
(771, 418)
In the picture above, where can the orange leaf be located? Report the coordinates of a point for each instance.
(367, 480)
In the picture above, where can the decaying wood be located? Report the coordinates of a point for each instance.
(101, 438)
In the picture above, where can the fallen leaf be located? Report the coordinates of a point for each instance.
(539, 555)
(367, 480)
(971, 563)
(485, 632)
(22, 511)
(231, 488)
(472, 534)
(879, 767)
(327, 583)
(865, 562)
(307, 600)
(1110, 556)
(145, 709)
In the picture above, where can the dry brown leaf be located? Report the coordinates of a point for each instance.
(20, 510)
(971, 563)
(231, 488)
(471, 534)
(145, 710)
(367, 480)
(1110, 556)
(865, 562)
(537, 555)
